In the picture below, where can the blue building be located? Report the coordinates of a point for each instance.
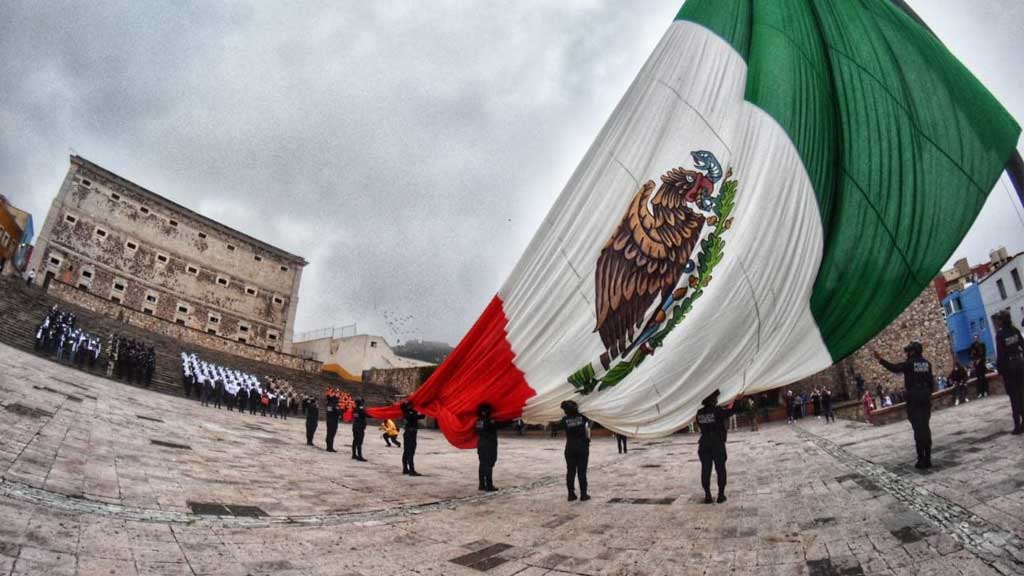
(966, 320)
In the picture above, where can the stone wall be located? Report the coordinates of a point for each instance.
(178, 332)
(921, 321)
(402, 380)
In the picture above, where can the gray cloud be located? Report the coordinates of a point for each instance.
(409, 153)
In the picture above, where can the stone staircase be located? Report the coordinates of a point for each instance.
(22, 308)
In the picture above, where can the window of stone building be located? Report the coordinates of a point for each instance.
(115, 196)
(223, 281)
(115, 298)
(271, 335)
(83, 286)
(55, 261)
(152, 297)
(271, 347)
(373, 344)
(179, 321)
(87, 274)
(211, 331)
(214, 318)
(1015, 274)
(202, 235)
(230, 248)
(257, 258)
(120, 285)
(284, 268)
(173, 223)
(183, 308)
(101, 233)
(278, 300)
(250, 291)
(148, 310)
(86, 183)
(162, 259)
(192, 269)
(70, 218)
(131, 246)
(243, 327)
(1002, 288)
(144, 209)
(243, 340)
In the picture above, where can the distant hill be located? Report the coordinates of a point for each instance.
(433, 352)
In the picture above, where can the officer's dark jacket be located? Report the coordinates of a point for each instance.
(487, 434)
(917, 377)
(412, 421)
(1009, 345)
(575, 430)
(312, 413)
(712, 422)
(359, 419)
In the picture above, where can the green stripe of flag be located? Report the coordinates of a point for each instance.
(900, 141)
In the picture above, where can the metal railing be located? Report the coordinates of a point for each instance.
(332, 332)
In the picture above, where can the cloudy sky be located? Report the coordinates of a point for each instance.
(408, 150)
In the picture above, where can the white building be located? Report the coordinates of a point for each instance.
(1003, 289)
(349, 356)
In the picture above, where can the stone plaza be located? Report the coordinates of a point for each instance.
(100, 478)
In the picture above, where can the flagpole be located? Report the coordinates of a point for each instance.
(1015, 165)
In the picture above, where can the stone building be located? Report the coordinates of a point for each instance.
(120, 241)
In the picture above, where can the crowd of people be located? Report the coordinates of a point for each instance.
(223, 387)
(123, 358)
(59, 334)
(817, 403)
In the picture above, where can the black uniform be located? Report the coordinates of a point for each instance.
(826, 405)
(331, 413)
(412, 426)
(312, 418)
(978, 357)
(577, 453)
(358, 432)
(487, 451)
(1010, 355)
(713, 423)
(919, 384)
(622, 442)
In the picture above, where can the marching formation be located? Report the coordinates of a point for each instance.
(126, 359)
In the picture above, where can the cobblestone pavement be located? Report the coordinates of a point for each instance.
(85, 490)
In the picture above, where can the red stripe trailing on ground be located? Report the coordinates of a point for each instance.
(480, 369)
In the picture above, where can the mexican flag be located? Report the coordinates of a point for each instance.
(779, 182)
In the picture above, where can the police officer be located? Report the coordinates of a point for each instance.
(577, 448)
(358, 430)
(919, 384)
(1010, 356)
(486, 446)
(712, 420)
(979, 356)
(312, 413)
(331, 413)
(412, 426)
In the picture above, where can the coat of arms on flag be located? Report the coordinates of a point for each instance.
(656, 245)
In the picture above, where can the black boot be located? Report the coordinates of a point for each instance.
(928, 458)
(572, 496)
(707, 497)
(721, 498)
(920, 459)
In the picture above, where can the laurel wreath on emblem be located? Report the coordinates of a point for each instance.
(645, 260)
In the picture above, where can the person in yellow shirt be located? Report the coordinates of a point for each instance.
(390, 432)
